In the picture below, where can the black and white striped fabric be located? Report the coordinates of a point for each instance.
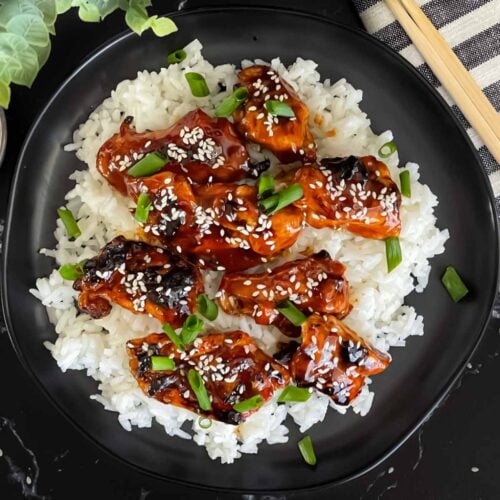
(472, 29)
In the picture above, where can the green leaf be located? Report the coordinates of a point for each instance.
(163, 26)
(31, 28)
(43, 54)
(137, 18)
(8, 64)
(123, 4)
(63, 6)
(13, 8)
(89, 12)
(108, 7)
(52, 29)
(18, 48)
(48, 9)
(4, 94)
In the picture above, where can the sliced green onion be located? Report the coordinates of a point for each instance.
(404, 178)
(307, 451)
(148, 165)
(69, 222)
(143, 207)
(282, 199)
(294, 394)
(205, 423)
(190, 329)
(72, 272)
(265, 186)
(232, 102)
(291, 313)
(387, 149)
(206, 307)
(173, 336)
(249, 404)
(199, 389)
(197, 84)
(270, 203)
(176, 57)
(392, 253)
(454, 284)
(160, 363)
(279, 108)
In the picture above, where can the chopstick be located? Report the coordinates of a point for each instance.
(450, 71)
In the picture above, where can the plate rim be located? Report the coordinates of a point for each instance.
(418, 421)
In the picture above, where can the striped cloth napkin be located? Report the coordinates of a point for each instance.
(472, 29)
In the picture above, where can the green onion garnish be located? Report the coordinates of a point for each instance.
(270, 203)
(265, 186)
(205, 423)
(307, 450)
(72, 272)
(392, 253)
(176, 57)
(190, 329)
(206, 307)
(143, 207)
(293, 394)
(291, 313)
(279, 108)
(199, 389)
(160, 363)
(454, 284)
(249, 404)
(282, 199)
(69, 222)
(148, 165)
(387, 149)
(404, 178)
(197, 84)
(230, 103)
(173, 336)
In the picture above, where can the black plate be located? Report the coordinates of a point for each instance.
(396, 97)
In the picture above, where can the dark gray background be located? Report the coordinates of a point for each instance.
(454, 455)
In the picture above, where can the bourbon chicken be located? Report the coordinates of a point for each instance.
(288, 137)
(313, 284)
(332, 359)
(356, 194)
(202, 148)
(218, 226)
(140, 278)
(232, 367)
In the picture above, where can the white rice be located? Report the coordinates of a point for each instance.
(156, 100)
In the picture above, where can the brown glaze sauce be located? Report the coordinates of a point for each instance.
(313, 284)
(202, 148)
(288, 138)
(356, 194)
(140, 278)
(332, 358)
(232, 366)
(218, 226)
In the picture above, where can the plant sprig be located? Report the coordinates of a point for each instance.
(26, 26)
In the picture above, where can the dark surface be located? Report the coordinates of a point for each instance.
(461, 435)
(344, 445)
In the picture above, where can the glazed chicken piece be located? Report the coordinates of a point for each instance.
(332, 359)
(202, 148)
(218, 226)
(141, 278)
(356, 194)
(233, 369)
(314, 284)
(289, 138)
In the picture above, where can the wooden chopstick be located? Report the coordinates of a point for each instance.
(453, 62)
(465, 92)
